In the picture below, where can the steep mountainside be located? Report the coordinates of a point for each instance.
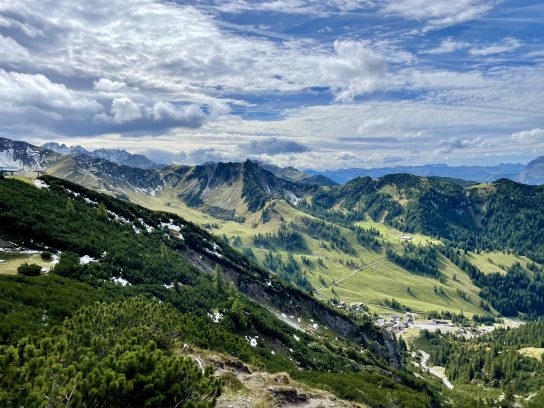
(24, 156)
(118, 156)
(227, 186)
(106, 176)
(118, 250)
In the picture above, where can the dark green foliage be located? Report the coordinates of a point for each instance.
(395, 304)
(285, 239)
(369, 238)
(320, 230)
(106, 355)
(512, 293)
(47, 256)
(288, 271)
(27, 305)
(224, 214)
(29, 269)
(422, 259)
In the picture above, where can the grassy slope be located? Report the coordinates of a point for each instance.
(369, 286)
(14, 260)
(496, 261)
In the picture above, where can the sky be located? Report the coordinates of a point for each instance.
(304, 83)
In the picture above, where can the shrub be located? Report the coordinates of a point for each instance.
(46, 255)
(29, 269)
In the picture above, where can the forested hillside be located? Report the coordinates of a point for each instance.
(112, 251)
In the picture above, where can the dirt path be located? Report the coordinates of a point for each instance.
(354, 272)
(437, 371)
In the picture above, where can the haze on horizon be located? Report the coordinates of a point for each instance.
(314, 84)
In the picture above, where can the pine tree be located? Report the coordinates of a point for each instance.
(219, 279)
(101, 211)
(70, 207)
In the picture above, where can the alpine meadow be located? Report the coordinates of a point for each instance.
(268, 203)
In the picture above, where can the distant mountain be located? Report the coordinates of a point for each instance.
(482, 174)
(118, 156)
(24, 156)
(533, 172)
(227, 190)
(293, 174)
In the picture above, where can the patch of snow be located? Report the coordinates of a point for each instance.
(296, 337)
(252, 341)
(89, 201)
(171, 226)
(273, 352)
(86, 259)
(40, 184)
(217, 254)
(269, 283)
(118, 217)
(315, 326)
(2, 260)
(293, 199)
(121, 281)
(170, 286)
(148, 228)
(216, 316)
(55, 260)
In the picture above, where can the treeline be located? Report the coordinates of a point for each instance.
(421, 259)
(320, 230)
(285, 239)
(288, 270)
(512, 293)
(369, 238)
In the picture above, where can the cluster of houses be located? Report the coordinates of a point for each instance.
(396, 323)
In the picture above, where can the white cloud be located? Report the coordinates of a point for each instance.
(446, 46)
(439, 13)
(506, 45)
(107, 85)
(353, 71)
(318, 7)
(11, 50)
(38, 91)
(529, 136)
(181, 53)
(125, 110)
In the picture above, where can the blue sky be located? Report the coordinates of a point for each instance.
(315, 84)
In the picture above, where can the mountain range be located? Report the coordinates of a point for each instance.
(532, 173)
(14, 154)
(338, 256)
(118, 156)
